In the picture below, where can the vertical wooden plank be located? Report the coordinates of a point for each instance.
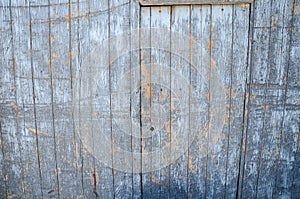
(74, 64)
(200, 31)
(280, 19)
(263, 145)
(293, 80)
(89, 177)
(10, 148)
(293, 71)
(88, 164)
(96, 176)
(145, 55)
(251, 159)
(5, 78)
(99, 31)
(60, 77)
(287, 180)
(260, 47)
(287, 164)
(221, 55)
(262, 13)
(25, 101)
(269, 141)
(261, 24)
(3, 187)
(135, 83)
(180, 23)
(247, 180)
(240, 28)
(120, 67)
(160, 97)
(43, 98)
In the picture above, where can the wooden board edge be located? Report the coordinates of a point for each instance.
(191, 2)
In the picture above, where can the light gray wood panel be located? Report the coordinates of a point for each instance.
(43, 97)
(180, 65)
(89, 176)
(145, 56)
(239, 69)
(74, 52)
(221, 55)
(135, 82)
(60, 45)
(160, 94)
(10, 157)
(42, 52)
(25, 103)
(119, 70)
(99, 25)
(197, 165)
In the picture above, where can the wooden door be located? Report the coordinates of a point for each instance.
(197, 60)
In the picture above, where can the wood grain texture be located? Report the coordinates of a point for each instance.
(190, 2)
(268, 95)
(221, 55)
(160, 18)
(10, 146)
(45, 45)
(135, 81)
(197, 166)
(240, 50)
(42, 83)
(119, 22)
(145, 54)
(25, 104)
(180, 23)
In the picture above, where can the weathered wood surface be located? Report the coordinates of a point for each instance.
(190, 2)
(254, 48)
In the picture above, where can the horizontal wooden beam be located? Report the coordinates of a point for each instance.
(189, 2)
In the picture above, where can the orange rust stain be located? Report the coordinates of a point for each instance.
(37, 131)
(274, 19)
(168, 130)
(145, 73)
(163, 95)
(210, 44)
(193, 38)
(55, 56)
(12, 196)
(51, 38)
(244, 5)
(68, 17)
(146, 76)
(230, 92)
(213, 64)
(148, 93)
(13, 105)
(73, 54)
(155, 179)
